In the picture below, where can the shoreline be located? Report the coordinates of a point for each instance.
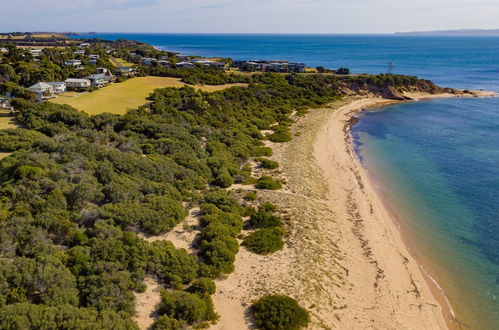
(344, 260)
(451, 319)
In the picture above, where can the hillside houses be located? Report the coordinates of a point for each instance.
(270, 66)
(75, 83)
(73, 62)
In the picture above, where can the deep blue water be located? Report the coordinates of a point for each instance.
(436, 161)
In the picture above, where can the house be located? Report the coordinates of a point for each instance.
(35, 52)
(42, 91)
(164, 63)
(182, 57)
(102, 70)
(84, 45)
(99, 79)
(73, 62)
(41, 88)
(59, 87)
(94, 57)
(147, 60)
(77, 83)
(126, 71)
(92, 62)
(184, 65)
(79, 52)
(5, 104)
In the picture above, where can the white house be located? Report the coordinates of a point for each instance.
(77, 83)
(58, 86)
(41, 88)
(100, 79)
(147, 60)
(79, 52)
(126, 71)
(94, 57)
(84, 45)
(73, 62)
(5, 104)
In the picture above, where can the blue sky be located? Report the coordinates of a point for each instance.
(246, 16)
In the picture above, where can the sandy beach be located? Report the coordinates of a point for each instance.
(345, 259)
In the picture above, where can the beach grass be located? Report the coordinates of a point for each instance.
(120, 97)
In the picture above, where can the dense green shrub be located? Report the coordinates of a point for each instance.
(203, 286)
(264, 219)
(265, 240)
(268, 183)
(275, 312)
(267, 163)
(185, 306)
(281, 134)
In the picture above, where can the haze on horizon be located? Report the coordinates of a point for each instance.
(247, 16)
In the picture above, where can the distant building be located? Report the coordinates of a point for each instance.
(184, 65)
(94, 57)
(182, 57)
(5, 104)
(102, 70)
(92, 62)
(126, 71)
(99, 79)
(270, 66)
(35, 52)
(164, 63)
(4, 50)
(147, 60)
(84, 45)
(77, 83)
(41, 88)
(59, 87)
(73, 62)
(79, 52)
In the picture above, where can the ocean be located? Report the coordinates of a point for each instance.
(435, 162)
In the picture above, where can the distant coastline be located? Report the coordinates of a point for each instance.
(462, 32)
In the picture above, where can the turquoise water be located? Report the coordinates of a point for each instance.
(436, 162)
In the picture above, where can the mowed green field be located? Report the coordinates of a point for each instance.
(120, 97)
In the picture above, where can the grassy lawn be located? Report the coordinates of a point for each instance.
(119, 62)
(120, 97)
(6, 121)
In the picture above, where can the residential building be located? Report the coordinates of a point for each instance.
(5, 104)
(99, 79)
(94, 57)
(79, 52)
(92, 62)
(126, 71)
(102, 70)
(59, 87)
(77, 83)
(35, 52)
(184, 65)
(147, 60)
(73, 62)
(164, 63)
(84, 45)
(41, 88)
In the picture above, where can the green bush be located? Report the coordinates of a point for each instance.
(203, 286)
(267, 163)
(281, 134)
(185, 306)
(265, 241)
(275, 312)
(251, 196)
(167, 323)
(268, 183)
(263, 219)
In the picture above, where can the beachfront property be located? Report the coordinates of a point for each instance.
(77, 83)
(73, 62)
(84, 45)
(208, 63)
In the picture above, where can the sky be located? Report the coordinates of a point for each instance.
(247, 16)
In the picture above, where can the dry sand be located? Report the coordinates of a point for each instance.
(344, 259)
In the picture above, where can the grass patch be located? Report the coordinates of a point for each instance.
(130, 94)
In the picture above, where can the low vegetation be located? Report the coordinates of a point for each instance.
(268, 183)
(276, 312)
